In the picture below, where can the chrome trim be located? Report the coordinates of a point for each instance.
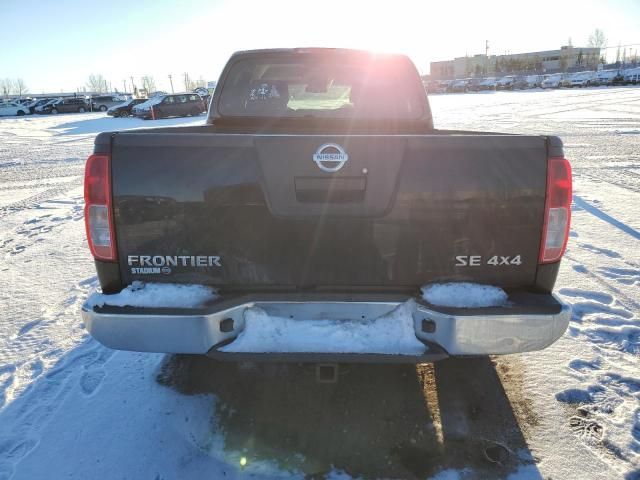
(199, 333)
(493, 334)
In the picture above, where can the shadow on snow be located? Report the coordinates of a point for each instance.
(376, 421)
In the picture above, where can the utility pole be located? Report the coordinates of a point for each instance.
(124, 86)
(486, 56)
(186, 82)
(171, 82)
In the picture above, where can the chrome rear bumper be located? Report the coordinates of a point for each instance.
(444, 331)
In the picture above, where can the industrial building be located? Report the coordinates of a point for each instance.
(566, 59)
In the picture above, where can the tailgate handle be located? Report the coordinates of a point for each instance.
(330, 189)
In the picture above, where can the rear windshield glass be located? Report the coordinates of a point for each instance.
(339, 86)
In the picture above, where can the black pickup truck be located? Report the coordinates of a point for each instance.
(319, 190)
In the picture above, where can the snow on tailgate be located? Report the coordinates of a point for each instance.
(162, 295)
(390, 334)
(464, 295)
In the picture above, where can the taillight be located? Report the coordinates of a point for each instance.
(98, 217)
(557, 210)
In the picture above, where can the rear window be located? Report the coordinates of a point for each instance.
(307, 85)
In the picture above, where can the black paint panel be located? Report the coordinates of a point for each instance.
(426, 200)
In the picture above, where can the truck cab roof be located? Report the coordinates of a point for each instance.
(315, 50)
(313, 83)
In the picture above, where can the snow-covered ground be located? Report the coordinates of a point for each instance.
(72, 408)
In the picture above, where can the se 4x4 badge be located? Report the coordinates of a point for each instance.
(496, 260)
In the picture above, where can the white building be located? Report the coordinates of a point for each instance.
(567, 58)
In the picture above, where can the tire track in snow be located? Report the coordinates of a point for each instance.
(629, 304)
(33, 230)
(605, 217)
(33, 201)
(614, 179)
(579, 106)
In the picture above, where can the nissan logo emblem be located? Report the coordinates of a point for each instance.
(330, 157)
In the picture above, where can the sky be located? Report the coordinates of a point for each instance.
(55, 45)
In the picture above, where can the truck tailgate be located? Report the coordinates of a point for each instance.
(256, 212)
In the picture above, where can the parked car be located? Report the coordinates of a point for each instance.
(37, 103)
(606, 77)
(45, 105)
(444, 86)
(124, 109)
(104, 102)
(583, 79)
(373, 215)
(174, 105)
(437, 86)
(632, 76)
(144, 109)
(66, 105)
(553, 81)
(474, 84)
(206, 99)
(488, 84)
(618, 79)
(520, 83)
(506, 83)
(459, 86)
(13, 108)
(534, 81)
(566, 80)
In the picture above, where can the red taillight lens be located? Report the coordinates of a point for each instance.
(557, 210)
(98, 217)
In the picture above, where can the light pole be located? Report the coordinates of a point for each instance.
(486, 57)
(171, 82)
(186, 82)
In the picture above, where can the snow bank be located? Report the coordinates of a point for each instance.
(166, 295)
(464, 295)
(389, 334)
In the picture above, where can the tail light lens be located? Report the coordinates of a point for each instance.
(98, 216)
(557, 210)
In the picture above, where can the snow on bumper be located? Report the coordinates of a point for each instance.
(215, 329)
